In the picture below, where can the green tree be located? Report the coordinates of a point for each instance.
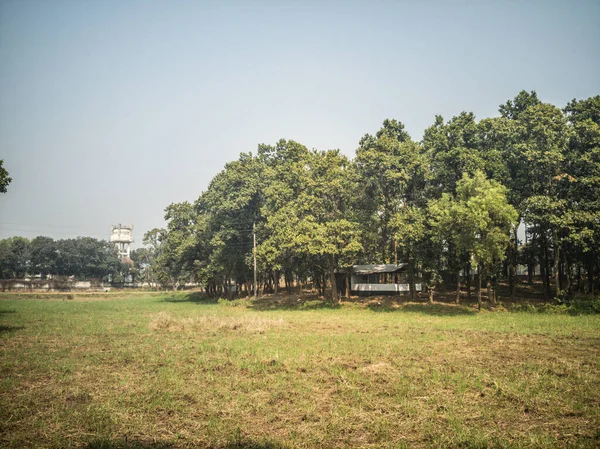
(43, 255)
(579, 187)
(513, 109)
(229, 207)
(390, 170)
(325, 230)
(542, 135)
(314, 223)
(4, 178)
(478, 220)
(14, 257)
(409, 225)
(453, 148)
(143, 259)
(284, 179)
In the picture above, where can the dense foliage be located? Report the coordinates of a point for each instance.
(449, 204)
(83, 257)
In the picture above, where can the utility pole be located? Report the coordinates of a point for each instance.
(254, 253)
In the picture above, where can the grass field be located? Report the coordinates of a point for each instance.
(171, 370)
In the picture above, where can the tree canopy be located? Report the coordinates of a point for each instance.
(449, 206)
(82, 257)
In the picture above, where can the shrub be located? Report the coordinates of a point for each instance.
(229, 303)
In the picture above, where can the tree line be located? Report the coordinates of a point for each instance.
(85, 258)
(447, 205)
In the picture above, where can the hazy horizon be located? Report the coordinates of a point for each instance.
(110, 111)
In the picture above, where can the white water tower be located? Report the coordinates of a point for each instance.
(122, 236)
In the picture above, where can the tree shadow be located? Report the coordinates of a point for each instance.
(291, 302)
(244, 443)
(435, 309)
(7, 311)
(8, 328)
(194, 297)
(102, 443)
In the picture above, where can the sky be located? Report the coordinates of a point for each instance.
(111, 110)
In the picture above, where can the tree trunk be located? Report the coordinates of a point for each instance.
(530, 261)
(431, 295)
(567, 270)
(348, 284)
(468, 279)
(479, 270)
(458, 287)
(512, 267)
(334, 292)
(491, 292)
(556, 262)
(544, 268)
(591, 280)
(411, 274)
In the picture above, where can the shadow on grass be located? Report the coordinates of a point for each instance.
(141, 444)
(7, 329)
(7, 311)
(126, 444)
(435, 309)
(195, 297)
(291, 302)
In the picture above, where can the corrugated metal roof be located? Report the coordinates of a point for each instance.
(374, 269)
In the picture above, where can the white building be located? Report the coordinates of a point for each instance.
(122, 236)
(380, 279)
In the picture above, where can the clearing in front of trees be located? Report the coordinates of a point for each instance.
(176, 370)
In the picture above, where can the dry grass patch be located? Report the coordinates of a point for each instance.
(166, 322)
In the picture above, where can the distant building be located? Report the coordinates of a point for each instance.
(378, 279)
(122, 237)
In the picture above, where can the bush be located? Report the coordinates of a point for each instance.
(577, 306)
(229, 303)
(581, 306)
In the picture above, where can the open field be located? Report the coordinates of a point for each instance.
(172, 370)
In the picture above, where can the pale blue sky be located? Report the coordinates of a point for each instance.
(111, 110)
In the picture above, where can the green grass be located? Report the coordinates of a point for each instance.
(171, 370)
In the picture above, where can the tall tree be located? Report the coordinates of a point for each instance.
(542, 135)
(453, 148)
(390, 177)
(580, 186)
(231, 205)
(478, 220)
(325, 230)
(284, 179)
(316, 223)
